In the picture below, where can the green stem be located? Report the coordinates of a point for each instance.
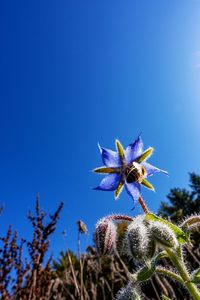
(170, 274)
(179, 264)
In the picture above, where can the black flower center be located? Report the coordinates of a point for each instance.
(135, 173)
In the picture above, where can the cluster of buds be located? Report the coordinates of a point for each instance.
(141, 239)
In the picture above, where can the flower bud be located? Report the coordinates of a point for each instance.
(163, 234)
(139, 244)
(82, 228)
(191, 223)
(128, 293)
(121, 240)
(105, 236)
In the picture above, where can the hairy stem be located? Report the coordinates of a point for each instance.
(143, 205)
(170, 274)
(179, 264)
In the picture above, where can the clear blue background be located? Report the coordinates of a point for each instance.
(74, 73)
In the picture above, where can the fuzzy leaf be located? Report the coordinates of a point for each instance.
(181, 236)
(159, 256)
(146, 272)
(196, 276)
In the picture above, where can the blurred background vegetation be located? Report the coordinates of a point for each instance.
(86, 276)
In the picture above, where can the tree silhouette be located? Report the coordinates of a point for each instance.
(182, 202)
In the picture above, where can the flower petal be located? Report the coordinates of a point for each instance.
(110, 158)
(133, 189)
(109, 183)
(134, 150)
(151, 169)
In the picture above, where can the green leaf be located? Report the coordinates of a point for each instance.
(195, 277)
(159, 256)
(146, 272)
(181, 236)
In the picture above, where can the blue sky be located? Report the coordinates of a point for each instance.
(74, 73)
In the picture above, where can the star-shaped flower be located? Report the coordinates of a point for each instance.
(126, 168)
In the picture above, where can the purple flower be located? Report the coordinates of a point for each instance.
(126, 167)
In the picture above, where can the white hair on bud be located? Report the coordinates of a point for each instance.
(140, 246)
(163, 235)
(105, 236)
(191, 223)
(130, 292)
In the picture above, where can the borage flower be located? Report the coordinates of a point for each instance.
(126, 168)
